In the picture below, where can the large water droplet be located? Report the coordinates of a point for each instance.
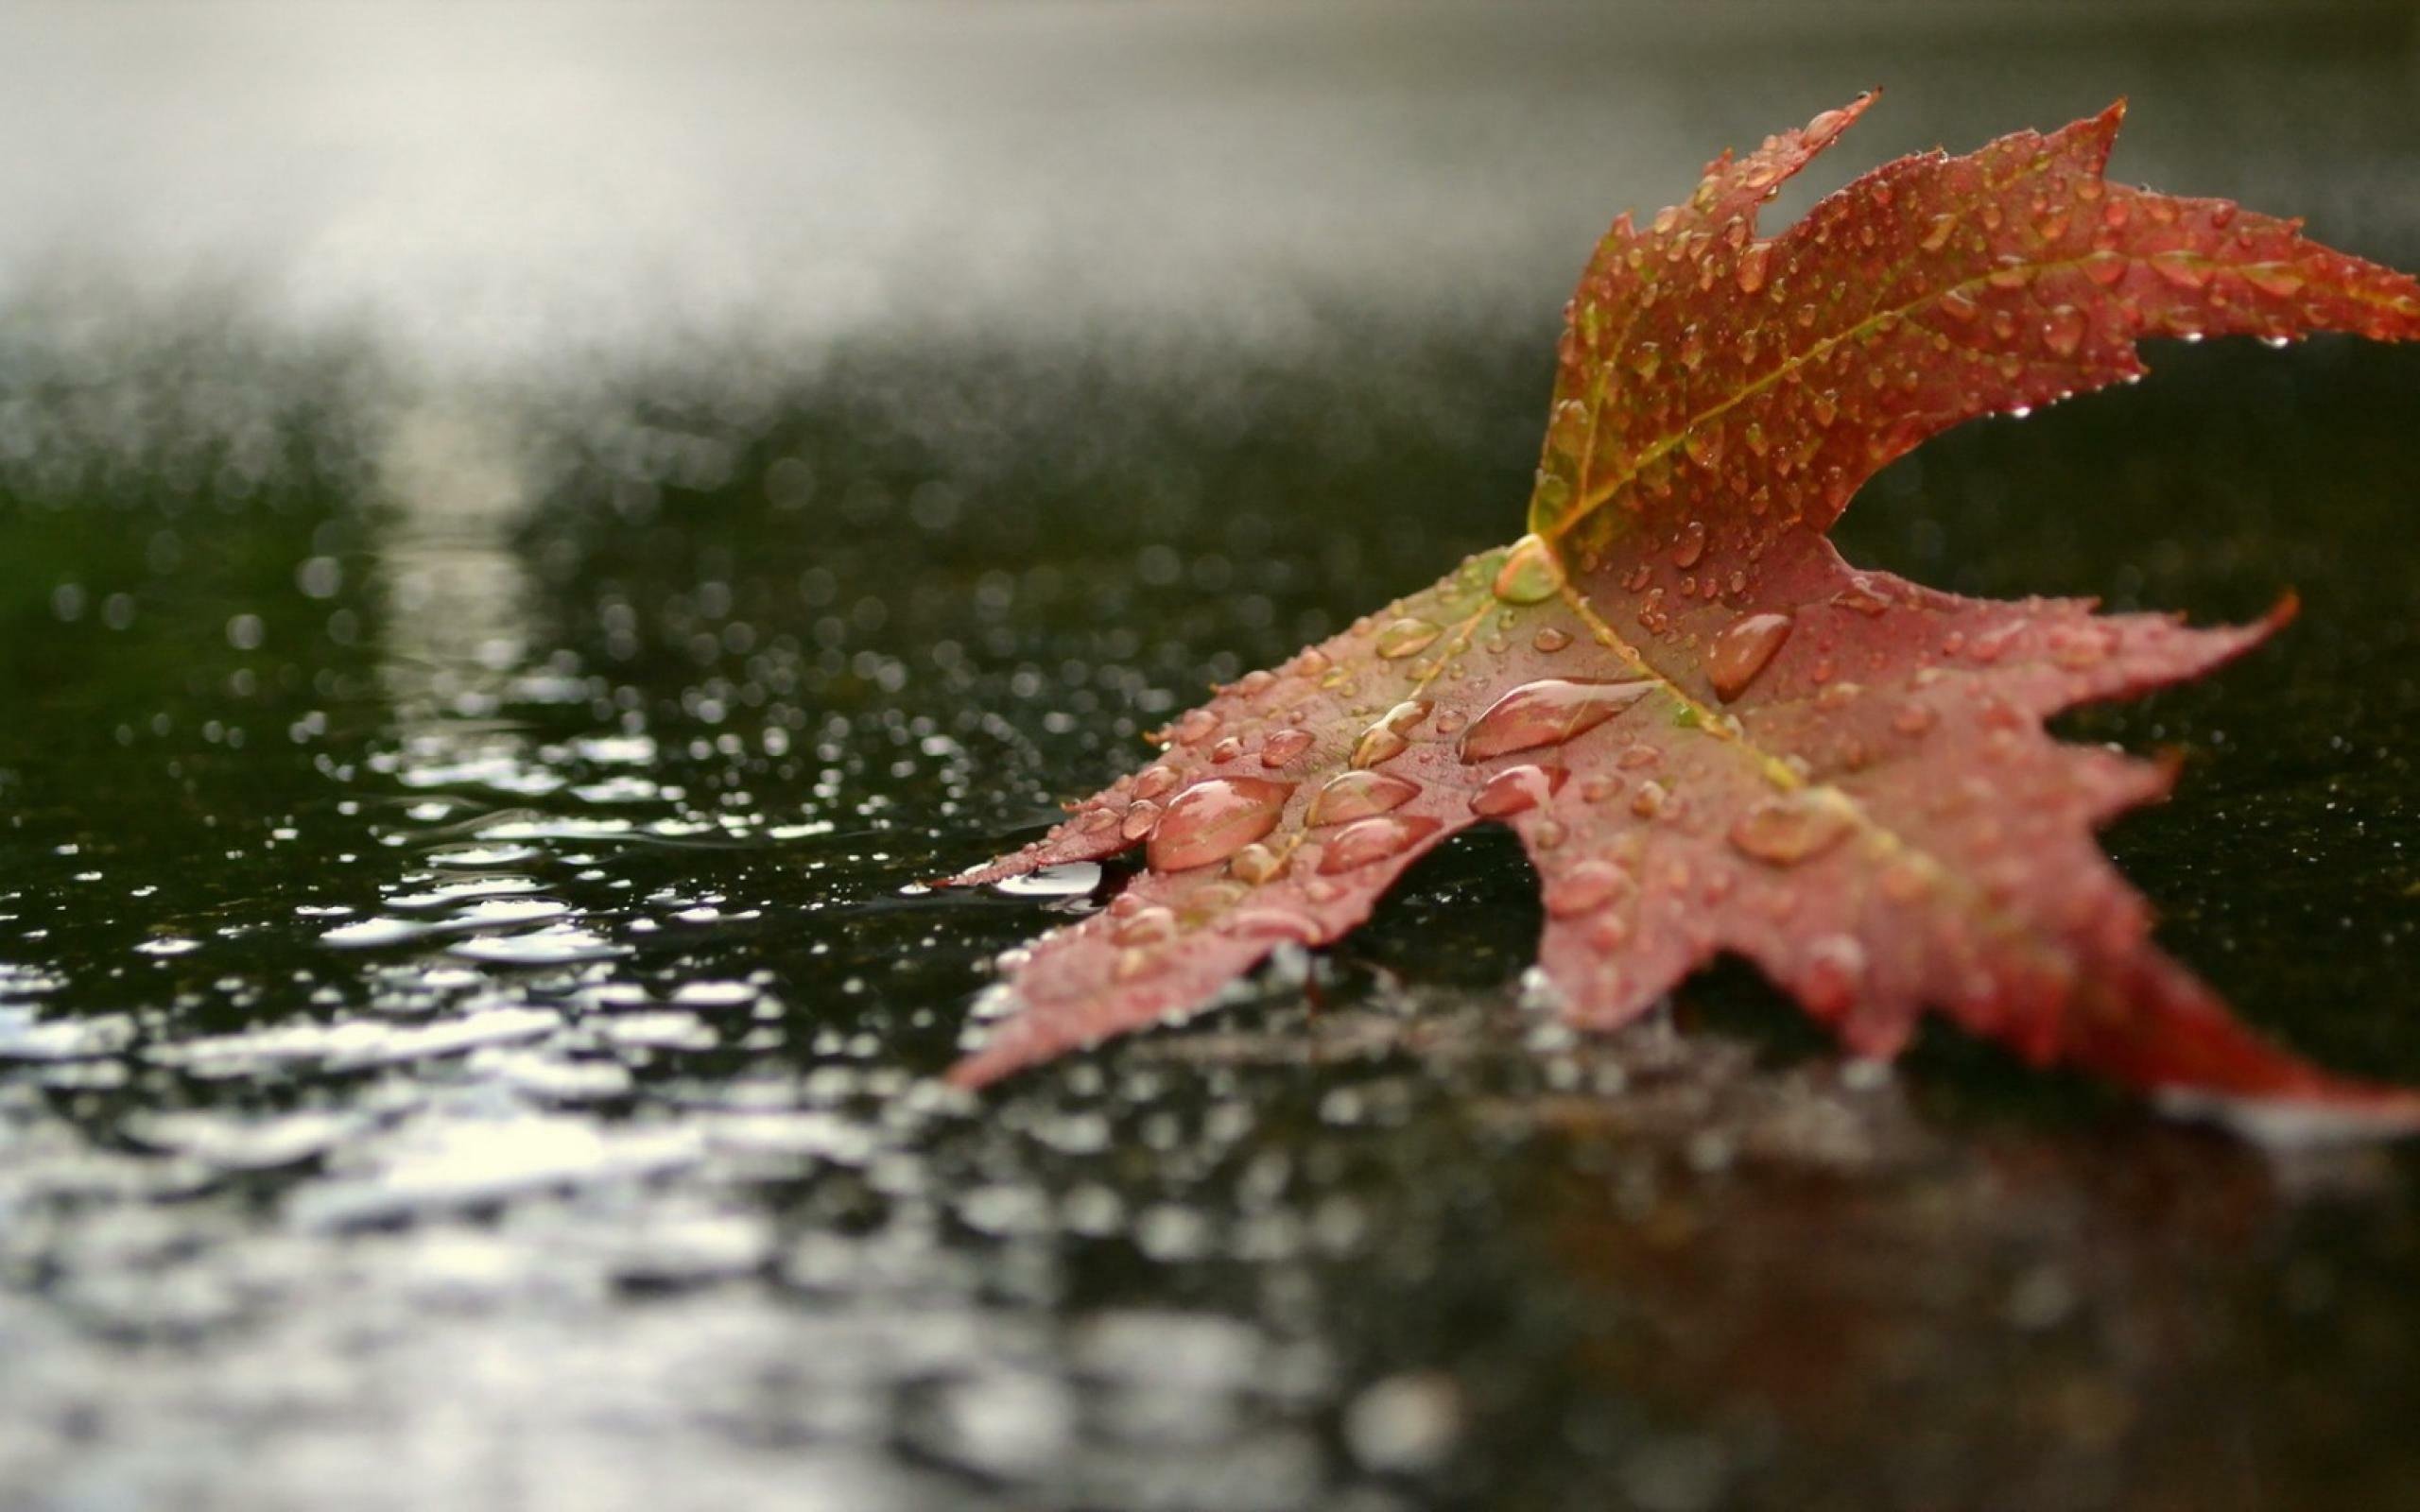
(1530, 575)
(1155, 782)
(1379, 745)
(1791, 828)
(1359, 794)
(1195, 727)
(1585, 886)
(1546, 712)
(1407, 637)
(1139, 819)
(1392, 735)
(1864, 595)
(2272, 277)
(1742, 651)
(1212, 821)
(1754, 264)
(1691, 545)
(2182, 269)
(1834, 977)
(2063, 332)
(1516, 790)
(1359, 844)
(2079, 646)
(1284, 747)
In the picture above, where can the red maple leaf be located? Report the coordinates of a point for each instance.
(1710, 731)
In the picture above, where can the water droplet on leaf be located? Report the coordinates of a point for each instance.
(1742, 650)
(1255, 863)
(1392, 735)
(1530, 575)
(1754, 264)
(1691, 545)
(1546, 712)
(1359, 794)
(1835, 976)
(1367, 840)
(1195, 727)
(2064, 331)
(1284, 747)
(1791, 828)
(1407, 637)
(1516, 790)
(1212, 821)
(1585, 887)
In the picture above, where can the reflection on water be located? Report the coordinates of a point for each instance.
(458, 598)
(468, 1008)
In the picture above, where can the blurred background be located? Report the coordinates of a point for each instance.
(526, 531)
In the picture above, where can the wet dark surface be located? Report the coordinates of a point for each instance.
(466, 1018)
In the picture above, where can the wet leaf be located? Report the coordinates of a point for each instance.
(1711, 732)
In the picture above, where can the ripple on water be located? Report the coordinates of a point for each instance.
(485, 855)
(438, 1163)
(233, 1142)
(454, 892)
(710, 994)
(83, 1038)
(560, 945)
(354, 1043)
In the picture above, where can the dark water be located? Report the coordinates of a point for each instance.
(466, 1016)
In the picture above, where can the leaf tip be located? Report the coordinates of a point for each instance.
(2167, 768)
(2342, 1113)
(2100, 131)
(1826, 129)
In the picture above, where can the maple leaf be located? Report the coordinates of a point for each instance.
(1711, 732)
